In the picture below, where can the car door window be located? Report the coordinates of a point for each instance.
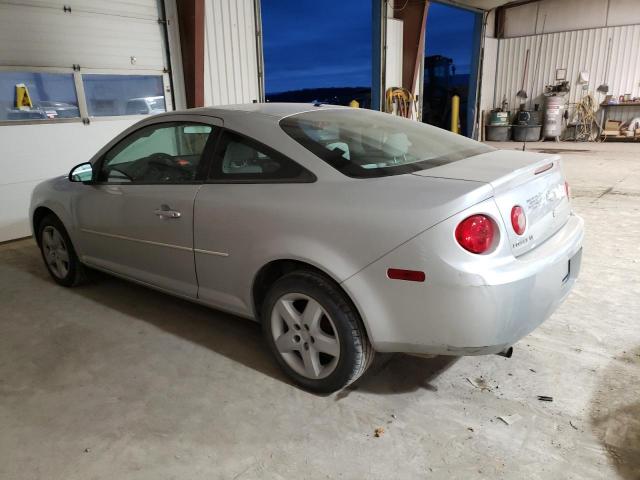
(242, 159)
(161, 153)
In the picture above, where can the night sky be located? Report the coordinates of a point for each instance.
(450, 34)
(311, 43)
(306, 46)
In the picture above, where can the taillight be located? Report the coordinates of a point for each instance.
(475, 233)
(567, 189)
(518, 220)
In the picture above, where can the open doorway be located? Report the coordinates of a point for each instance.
(452, 50)
(317, 51)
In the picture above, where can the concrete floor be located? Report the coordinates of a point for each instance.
(113, 381)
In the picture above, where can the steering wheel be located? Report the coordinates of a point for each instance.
(162, 159)
(158, 163)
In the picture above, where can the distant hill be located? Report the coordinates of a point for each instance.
(331, 95)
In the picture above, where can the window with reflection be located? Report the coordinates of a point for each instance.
(161, 153)
(37, 96)
(115, 95)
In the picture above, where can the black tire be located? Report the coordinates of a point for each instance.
(74, 273)
(355, 350)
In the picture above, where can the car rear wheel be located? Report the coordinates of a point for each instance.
(315, 332)
(58, 253)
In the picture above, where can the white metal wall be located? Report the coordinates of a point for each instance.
(231, 58)
(579, 50)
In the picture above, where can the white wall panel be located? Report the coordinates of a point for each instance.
(393, 68)
(565, 15)
(521, 20)
(33, 153)
(580, 50)
(623, 12)
(14, 210)
(231, 63)
(48, 37)
(488, 82)
(124, 8)
(570, 15)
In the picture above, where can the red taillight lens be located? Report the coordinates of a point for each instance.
(475, 233)
(518, 220)
(567, 189)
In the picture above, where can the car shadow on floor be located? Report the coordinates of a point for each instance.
(241, 340)
(233, 337)
(236, 338)
(394, 374)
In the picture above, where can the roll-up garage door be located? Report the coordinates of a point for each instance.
(90, 68)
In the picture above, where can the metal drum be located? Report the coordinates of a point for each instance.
(526, 133)
(497, 133)
(554, 107)
(499, 117)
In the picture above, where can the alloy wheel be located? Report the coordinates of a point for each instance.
(305, 335)
(55, 251)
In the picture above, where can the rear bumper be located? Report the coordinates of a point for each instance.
(467, 306)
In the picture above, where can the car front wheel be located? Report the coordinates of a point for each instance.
(315, 332)
(58, 253)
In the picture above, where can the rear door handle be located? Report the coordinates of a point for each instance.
(165, 212)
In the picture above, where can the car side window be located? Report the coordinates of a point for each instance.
(161, 153)
(242, 159)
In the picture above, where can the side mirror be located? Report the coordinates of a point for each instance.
(81, 173)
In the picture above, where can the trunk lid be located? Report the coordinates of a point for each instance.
(533, 181)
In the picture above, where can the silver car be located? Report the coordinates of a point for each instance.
(343, 231)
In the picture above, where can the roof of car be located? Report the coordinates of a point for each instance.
(278, 110)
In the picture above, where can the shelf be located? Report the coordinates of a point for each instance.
(619, 138)
(626, 104)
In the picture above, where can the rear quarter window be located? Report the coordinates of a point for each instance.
(244, 160)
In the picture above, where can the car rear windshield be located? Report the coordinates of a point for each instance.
(364, 143)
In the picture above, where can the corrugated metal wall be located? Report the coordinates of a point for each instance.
(230, 54)
(580, 50)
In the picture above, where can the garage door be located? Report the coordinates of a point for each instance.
(72, 75)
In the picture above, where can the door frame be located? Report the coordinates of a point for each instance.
(475, 73)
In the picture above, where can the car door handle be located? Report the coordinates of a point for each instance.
(165, 212)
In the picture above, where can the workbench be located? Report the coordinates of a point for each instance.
(605, 116)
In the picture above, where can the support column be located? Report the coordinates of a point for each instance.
(378, 52)
(191, 24)
(414, 18)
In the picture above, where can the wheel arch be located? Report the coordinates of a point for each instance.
(276, 269)
(38, 215)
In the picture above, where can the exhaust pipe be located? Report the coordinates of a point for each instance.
(507, 352)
